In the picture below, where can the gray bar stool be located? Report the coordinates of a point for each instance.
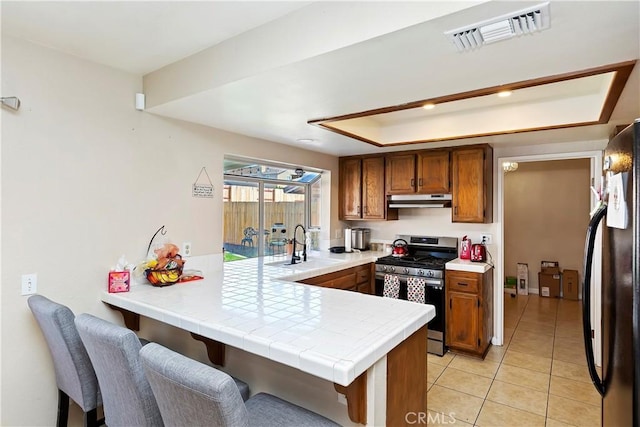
(127, 397)
(75, 376)
(190, 393)
(114, 352)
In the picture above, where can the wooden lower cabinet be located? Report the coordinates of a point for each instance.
(357, 279)
(364, 288)
(469, 311)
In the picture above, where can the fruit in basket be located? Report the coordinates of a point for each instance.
(168, 250)
(166, 268)
(163, 277)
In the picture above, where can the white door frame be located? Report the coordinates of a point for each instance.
(596, 172)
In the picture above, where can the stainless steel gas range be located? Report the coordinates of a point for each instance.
(426, 258)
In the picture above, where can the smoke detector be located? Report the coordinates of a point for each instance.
(525, 21)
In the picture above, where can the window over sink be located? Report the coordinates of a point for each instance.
(263, 202)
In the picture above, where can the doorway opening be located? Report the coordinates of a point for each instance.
(594, 159)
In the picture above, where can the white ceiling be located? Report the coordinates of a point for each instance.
(280, 64)
(136, 36)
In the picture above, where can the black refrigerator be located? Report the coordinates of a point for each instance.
(618, 218)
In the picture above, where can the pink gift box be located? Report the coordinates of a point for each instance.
(119, 281)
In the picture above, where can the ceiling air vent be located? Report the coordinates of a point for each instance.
(502, 27)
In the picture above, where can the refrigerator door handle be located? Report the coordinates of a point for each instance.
(586, 295)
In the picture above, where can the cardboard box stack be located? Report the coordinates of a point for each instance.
(549, 279)
(570, 284)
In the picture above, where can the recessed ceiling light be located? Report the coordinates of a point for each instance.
(504, 93)
(429, 106)
(305, 140)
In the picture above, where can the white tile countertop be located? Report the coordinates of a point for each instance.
(466, 265)
(255, 305)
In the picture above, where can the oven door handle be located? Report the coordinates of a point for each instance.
(403, 278)
(439, 284)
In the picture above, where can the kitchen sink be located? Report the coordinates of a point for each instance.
(310, 263)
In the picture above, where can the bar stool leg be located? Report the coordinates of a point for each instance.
(63, 409)
(91, 418)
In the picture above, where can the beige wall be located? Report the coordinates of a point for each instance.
(546, 213)
(85, 179)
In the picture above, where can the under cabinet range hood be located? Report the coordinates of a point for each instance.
(420, 201)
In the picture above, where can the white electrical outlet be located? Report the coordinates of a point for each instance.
(29, 284)
(488, 240)
(186, 249)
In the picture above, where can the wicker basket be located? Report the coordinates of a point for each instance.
(164, 277)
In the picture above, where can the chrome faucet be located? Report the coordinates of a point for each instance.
(295, 257)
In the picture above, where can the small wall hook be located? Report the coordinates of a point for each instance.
(10, 102)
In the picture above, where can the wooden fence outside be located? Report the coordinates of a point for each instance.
(240, 215)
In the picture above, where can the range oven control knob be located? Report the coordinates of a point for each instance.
(384, 268)
(392, 269)
(406, 271)
(420, 273)
(429, 273)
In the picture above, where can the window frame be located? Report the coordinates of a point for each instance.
(261, 200)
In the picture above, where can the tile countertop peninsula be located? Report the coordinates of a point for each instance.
(256, 305)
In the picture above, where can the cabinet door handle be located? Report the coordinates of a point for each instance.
(366, 210)
(413, 182)
(455, 210)
(420, 182)
(358, 210)
(462, 284)
(450, 303)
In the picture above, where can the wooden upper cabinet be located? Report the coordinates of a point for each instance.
(373, 197)
(466, 173)
(401, 173)
(425, 172)
(433, 172)
(350, 188)
(361, 190)
(472, 184)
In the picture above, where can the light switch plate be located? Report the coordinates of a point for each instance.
(29, 284)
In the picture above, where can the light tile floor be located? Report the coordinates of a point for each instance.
(538, 378)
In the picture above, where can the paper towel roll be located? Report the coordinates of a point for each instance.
(347, 240)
